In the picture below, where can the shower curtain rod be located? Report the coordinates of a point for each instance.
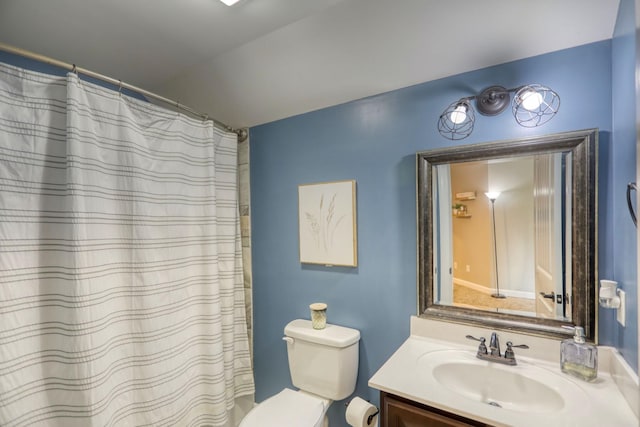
(242, 133)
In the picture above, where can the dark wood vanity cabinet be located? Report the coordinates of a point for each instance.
(396, 411)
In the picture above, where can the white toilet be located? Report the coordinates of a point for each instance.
(323, 365)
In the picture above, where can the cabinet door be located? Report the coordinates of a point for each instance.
(398, 412)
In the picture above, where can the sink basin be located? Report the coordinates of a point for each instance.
(522, 388)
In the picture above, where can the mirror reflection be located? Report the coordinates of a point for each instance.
(503, 227)
(507, 233)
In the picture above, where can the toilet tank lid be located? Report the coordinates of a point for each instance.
(332, 335)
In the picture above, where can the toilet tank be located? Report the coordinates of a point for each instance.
(323, 361)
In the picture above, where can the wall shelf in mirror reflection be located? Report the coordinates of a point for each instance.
(543, 241)
(467, 195)
(460, 210)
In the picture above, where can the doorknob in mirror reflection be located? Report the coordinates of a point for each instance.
(533, 105)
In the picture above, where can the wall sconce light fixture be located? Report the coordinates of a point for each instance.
(533, 105)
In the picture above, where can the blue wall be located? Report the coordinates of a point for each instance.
(621, 244)
(374, 141)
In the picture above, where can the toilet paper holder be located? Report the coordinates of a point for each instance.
(370, 417)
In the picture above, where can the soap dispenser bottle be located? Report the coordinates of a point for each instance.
(577, 357)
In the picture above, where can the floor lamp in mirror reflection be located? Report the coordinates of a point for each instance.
(493, 196)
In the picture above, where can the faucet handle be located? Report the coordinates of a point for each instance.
(510, 345)
(482, 348)
(509, 354)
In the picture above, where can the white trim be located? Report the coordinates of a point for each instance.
(488, 291)
(623, 375)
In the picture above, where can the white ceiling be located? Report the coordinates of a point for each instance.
(263, 60)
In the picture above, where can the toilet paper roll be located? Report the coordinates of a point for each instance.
(359, 411)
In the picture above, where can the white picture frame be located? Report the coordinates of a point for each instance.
(327, 223)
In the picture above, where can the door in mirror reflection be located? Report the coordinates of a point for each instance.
(503, 234)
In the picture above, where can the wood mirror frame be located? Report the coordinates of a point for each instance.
(583, 146)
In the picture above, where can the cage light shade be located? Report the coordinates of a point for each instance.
(456, 122)
(534, 105)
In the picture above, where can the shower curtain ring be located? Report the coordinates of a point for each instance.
(120, 87)
(74, 69)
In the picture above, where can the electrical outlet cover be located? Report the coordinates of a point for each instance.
(621, 311)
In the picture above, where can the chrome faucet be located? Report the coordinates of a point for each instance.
(493, 355)
(494, 345)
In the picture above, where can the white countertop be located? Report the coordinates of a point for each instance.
(407, 374)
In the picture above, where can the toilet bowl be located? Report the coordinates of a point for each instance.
(288, 408)
(324, 366)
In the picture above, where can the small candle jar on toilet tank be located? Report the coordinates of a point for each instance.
(318, 315)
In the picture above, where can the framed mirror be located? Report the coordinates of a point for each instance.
(507, 233)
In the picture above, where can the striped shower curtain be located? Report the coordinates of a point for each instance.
(121, 292)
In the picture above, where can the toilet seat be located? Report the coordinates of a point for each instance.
(287, 408)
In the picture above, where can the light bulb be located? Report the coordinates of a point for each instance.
(459, 114)
(492, 195)
(531, 100)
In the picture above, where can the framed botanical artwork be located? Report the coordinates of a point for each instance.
(327, 223)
